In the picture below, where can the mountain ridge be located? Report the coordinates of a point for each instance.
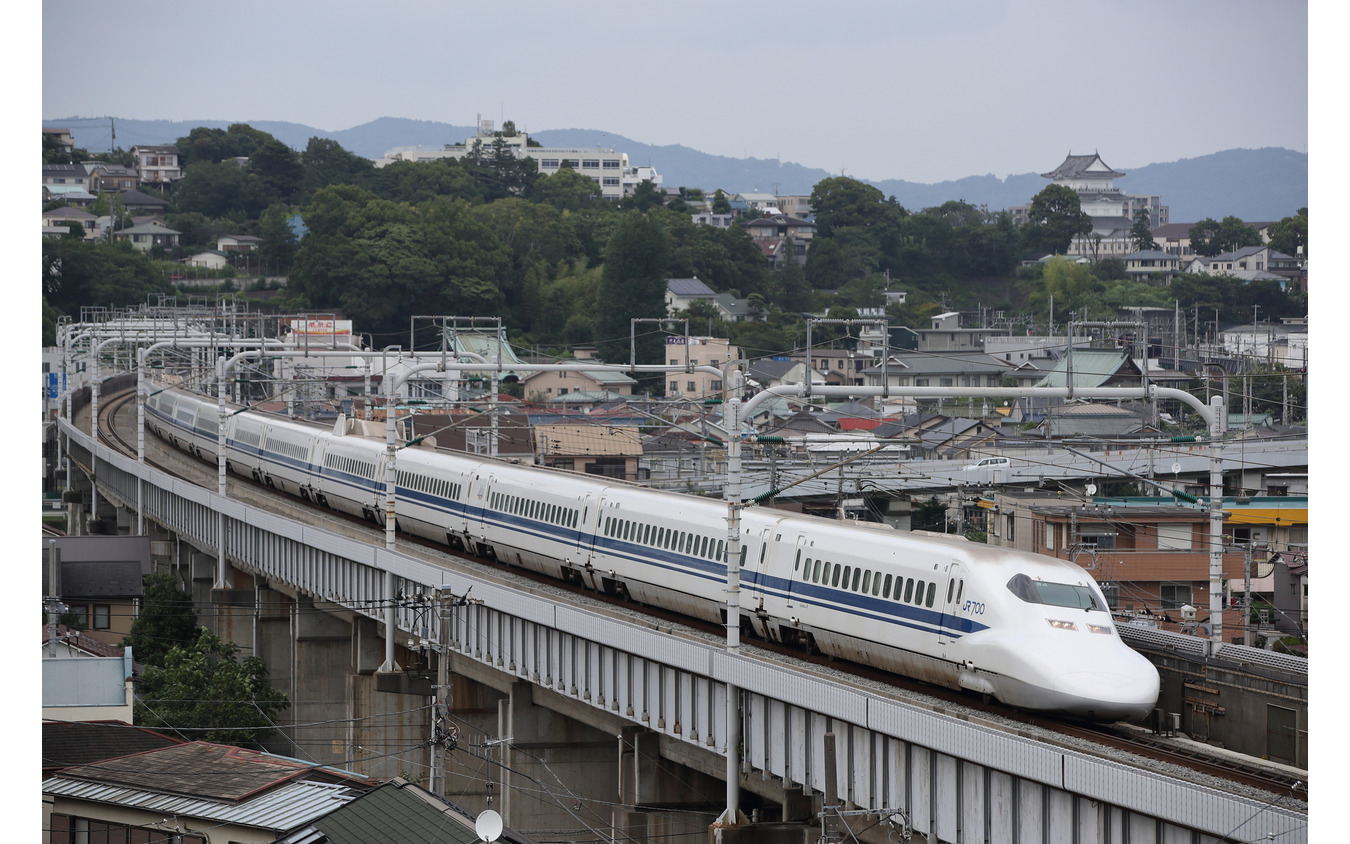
(1256, 185)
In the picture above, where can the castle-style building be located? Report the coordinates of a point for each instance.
(1112, 212)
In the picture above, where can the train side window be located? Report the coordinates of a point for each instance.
(909, 589)
(932, 590)
(876, 584)
(815, 572)
(886, 589)
(834, 581)
(866, 581)
(721, 549)
(825, 579)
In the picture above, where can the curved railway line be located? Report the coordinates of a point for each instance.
(1191, 759)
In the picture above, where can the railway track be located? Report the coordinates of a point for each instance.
(1110, 740)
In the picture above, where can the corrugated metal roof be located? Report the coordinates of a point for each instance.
(278, 809)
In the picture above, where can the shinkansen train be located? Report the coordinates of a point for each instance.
(1032, 631)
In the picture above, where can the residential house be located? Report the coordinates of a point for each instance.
(718, 221)
(764, 202)
(68, 744)
(397, 810)
(798, 206)
(1040, 350)
(945, 334)
(72, 195)
(62, 138)
(215, 793)
(61, 218)
(505, 433)
(157, 164)
(83, 678)
(945, 369)
(1152, 265)
(837, 367)
(210, 260)
(99, 578)
(681, 293)
(1092, 419)
(697, 351)
(1094, 368)
(935, 436)
(612, 451)
(147, 236)
(779, 236)
(238, 243)
(140, 204)
(550, 384)
(66, 176)
(1150, 556)
(110, 178)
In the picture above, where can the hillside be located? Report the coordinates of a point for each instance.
(1252, 184)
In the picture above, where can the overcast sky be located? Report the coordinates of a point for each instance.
(875, 89)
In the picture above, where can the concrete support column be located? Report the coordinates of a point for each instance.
(554, 772)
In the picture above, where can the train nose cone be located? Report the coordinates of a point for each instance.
(1110, 695)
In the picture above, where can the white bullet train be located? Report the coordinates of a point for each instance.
(1030, 630)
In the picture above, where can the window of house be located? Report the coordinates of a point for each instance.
(692, 386)
(1172, 595)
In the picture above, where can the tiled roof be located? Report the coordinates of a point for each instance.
(205, 770)
(396, 810)
(71, 743)
(688, 287)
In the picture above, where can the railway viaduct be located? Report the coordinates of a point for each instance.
(578, 720)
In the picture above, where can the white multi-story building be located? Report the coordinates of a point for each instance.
(609, 168)
(1112, 212)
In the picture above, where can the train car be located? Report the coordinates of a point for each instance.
(1032, 631)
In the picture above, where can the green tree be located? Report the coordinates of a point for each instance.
(566, 190)
(279, 243)
(215, 145)
(645, 196)
(166, 620)
(632, 285)
(720, 203)
(221, 190)
(326, 162)
(1290, 235)
(206, 691)
(1054, 219)
(1209, 238)
(1140, 233)
(928, 515)
(279, 168)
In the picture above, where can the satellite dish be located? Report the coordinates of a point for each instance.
(1091, 489)
(1176, 467)
(488, 826)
